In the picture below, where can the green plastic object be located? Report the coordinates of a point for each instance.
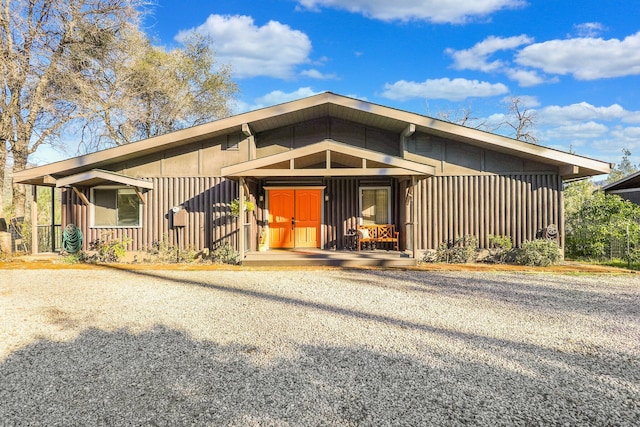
(72, 239)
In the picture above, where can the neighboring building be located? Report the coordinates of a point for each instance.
(628, 188)
(315, 168)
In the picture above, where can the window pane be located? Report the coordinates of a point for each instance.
(368, 206)
(382, 202)
(116, 207)
(375, 206)
(105, 207)
(128, 208)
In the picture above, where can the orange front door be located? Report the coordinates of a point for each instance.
(307, 220)
(294, 218)
(281, 210)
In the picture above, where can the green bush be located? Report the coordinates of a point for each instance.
(108, 250)
(225, 254)
(77, 258)
(459, 251)
(599, 221)
(541, 252)
(500, 248)
(164, 251)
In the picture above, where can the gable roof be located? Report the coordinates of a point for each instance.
(325, 104)
(328, 153)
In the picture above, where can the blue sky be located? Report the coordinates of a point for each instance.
(576, 64)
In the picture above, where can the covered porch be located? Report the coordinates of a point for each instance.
(308, 200)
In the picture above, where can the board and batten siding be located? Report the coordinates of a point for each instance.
(343, 207)
(206, 200)
(480, 205)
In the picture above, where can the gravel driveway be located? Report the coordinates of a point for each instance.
(325, 347)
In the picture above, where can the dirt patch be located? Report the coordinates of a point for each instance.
(29, 263)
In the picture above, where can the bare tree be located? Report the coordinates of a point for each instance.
(43, 46)
(464, 117)
(521, 120)
(85, 65)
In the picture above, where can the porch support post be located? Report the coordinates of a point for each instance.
(53, 219)
(241, 218)
(34, 220)
(414, 216)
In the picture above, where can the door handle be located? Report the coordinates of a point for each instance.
(293, 222)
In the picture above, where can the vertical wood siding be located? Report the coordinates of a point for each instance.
(205, 199)
(341, 210)
(343, 207)
(448, 207)
(515, 205)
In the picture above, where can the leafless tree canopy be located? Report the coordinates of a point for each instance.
(522, 120)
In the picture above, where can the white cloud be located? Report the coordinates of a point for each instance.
(589, 29)
(577, 131)
(526, 101)
(279, 97)
(618, 139)
(437, 11)
(477, 57)
(526, 78)
(629, 134)
(273, 50)
(581, 112)
(452, 90)
(585, 58)
(315, 74)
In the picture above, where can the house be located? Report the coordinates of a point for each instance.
(315, 168)
(628, 188)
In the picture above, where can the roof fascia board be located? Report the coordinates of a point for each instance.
(621, 181)
(428, 124)
(105, 175)
(228, 123)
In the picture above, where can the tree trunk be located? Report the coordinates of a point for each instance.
(3, 169)
(19, 190)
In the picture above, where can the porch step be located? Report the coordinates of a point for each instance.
(316, 257)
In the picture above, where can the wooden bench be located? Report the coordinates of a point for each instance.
(378, 233)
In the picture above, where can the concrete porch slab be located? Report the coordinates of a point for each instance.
(318, 257)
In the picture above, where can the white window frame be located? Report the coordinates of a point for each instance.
(360, 190)
(92, 219)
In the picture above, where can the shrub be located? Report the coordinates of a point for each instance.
(459, 251)
(108, 250)
(598, 223)
(499, 248)
(225, 254)
(540, 252)
(166, 252)
(75, 258)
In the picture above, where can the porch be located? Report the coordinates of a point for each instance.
(319, 257)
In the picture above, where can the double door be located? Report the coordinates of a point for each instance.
(294, 218)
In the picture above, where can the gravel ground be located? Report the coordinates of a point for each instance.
(325, 347)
